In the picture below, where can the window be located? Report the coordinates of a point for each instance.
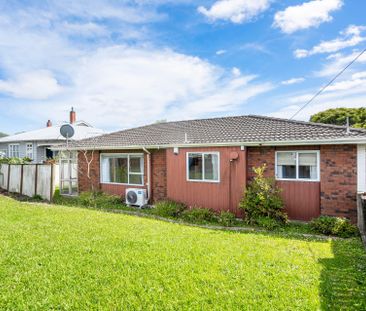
(68, 173)
(203, 166)
(14, 151)
(29, 151)
(122, 169)
(300, 165)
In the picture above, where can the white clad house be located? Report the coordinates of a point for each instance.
(36, 144)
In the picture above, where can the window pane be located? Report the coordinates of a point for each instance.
(286, 165)
(211, 166)
(64, 169)
(136, 164)
(136, 179)
(195, 166)
(118, 170)
(65, 187)
(74, 188)
(308, 166)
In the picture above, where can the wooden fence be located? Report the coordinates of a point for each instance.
(30, 179)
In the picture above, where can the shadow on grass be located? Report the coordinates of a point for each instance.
(343, 277)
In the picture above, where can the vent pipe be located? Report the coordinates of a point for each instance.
(347, 126)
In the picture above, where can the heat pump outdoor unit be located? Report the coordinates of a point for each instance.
(136, 196)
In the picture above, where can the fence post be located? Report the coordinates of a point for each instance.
(36, 180)
(21, 178)
(7, 186)
(51, 183)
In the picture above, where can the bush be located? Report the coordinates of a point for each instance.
(199, 215)
(90, 199)
(168, 208)
(262, 200)
(227, 219)
(268, 223)
(15, 160)
(99, 200)
(337, 226)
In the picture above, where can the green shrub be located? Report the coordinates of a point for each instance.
(199, 215)
(90, 199)
(168, 208)
(268, 223)
(99, 200)
(337, 226)
(15, 160)
(227, 219)
(262, 199)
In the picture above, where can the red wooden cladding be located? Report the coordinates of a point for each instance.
(302, 199)
(224, 195)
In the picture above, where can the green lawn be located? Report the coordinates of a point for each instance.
(54, 257)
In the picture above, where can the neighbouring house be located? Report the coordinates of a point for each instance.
(36, 144)
(208, 163)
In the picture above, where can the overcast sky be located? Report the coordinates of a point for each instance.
(127, 63)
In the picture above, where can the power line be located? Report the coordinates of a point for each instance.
(329, 83)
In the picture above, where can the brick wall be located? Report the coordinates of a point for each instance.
(257, 156)
(86, 184)
(158, 175)
(338, 173)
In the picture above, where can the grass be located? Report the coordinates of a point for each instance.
(58, 257)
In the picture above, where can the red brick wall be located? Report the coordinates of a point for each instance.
(338, 174)
(84, 183)
(158, 174)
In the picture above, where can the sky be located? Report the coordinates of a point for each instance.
(122, 64)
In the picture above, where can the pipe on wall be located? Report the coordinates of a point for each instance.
(148, 164)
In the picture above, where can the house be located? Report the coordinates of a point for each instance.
(209, 162)
(36, 144)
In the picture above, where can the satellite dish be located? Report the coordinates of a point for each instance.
(67, 130)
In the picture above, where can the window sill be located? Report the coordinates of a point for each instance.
(121, 184)
(298, 180)
(205, 181)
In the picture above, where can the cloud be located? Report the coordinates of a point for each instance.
(122, 86)
(31, 85)
(306, 15)
(336, 62)
(111, 83)
(350, 37)
(220, 52)
(236, 11)
(350, 92)
(293, 81)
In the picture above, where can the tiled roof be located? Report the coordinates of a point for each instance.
(240, 129)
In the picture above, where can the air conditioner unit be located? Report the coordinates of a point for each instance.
(136, 196)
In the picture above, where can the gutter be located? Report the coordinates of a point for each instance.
(148, 164)
(337, 141)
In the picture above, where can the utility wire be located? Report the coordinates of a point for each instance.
(328, 84)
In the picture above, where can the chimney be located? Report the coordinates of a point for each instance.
(72, 116)
(49, 123)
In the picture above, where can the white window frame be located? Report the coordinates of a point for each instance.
(69, 157)
(123, 155)
(11, 154)
(297, 166)
(27, 153)
(203, 166)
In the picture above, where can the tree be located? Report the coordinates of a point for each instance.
(338, 116)
(3, 134)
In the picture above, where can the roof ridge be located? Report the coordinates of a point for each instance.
(308, 123)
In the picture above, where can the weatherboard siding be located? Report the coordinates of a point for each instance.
(334, 194)
(219, 196)
(301, 198)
